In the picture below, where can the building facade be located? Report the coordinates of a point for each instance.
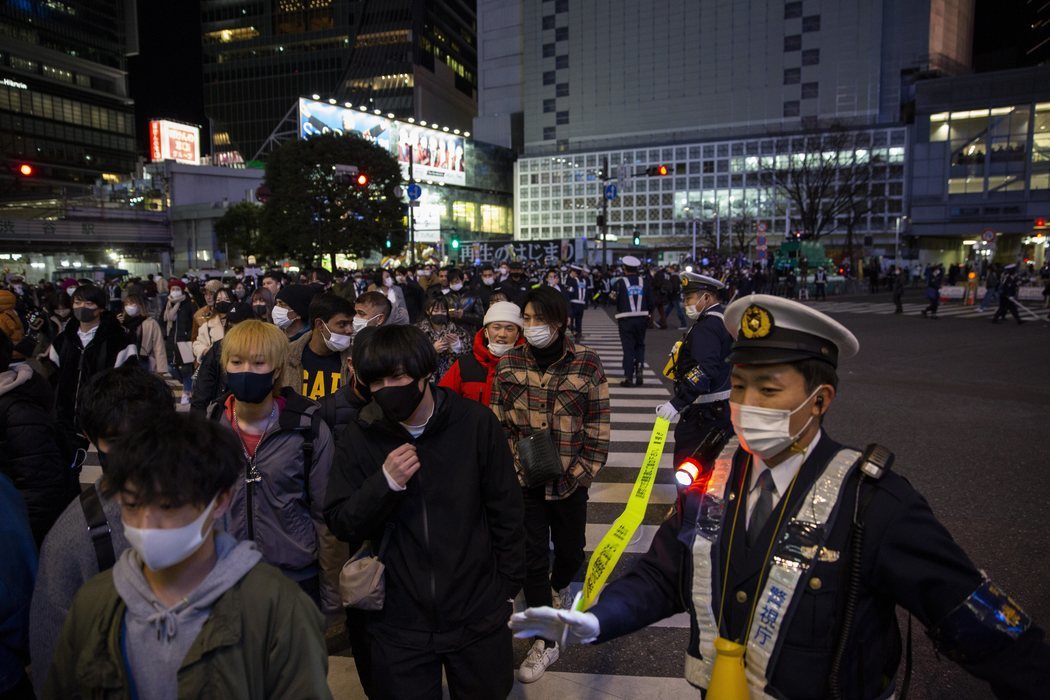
(66, 118)
(407, 57)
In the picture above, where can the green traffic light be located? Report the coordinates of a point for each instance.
(388, 243)
(455, 243)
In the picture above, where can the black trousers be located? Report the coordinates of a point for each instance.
(482, 669)
(1006, 306)
(820, 290)
(576, 311)
(562, 522)
(632, 338)
(361, 647)
(695, 423)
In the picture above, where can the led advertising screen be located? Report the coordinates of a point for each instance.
(437, 156)
(174, 141)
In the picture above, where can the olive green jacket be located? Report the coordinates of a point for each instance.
(263, 639)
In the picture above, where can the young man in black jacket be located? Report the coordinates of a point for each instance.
(453, 517)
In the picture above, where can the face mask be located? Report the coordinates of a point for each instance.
(360, 323)
(439, 319)
(249, 387)
(176, 295)
(71, 291)
(693, 312)
(85, 315)
(131, 310)
(164, 547)
(223, 307)
(500, 349)
(336, 342)
(399, 402)
(388, 282)
(260, 310)
(63, 313)
(766, 432)
(488, 281)
(456, 287)
(504, 271)
(280, 317)
(539, 336)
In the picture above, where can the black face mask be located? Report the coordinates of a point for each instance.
(399, 402)
(260, 310)
(223, 307)
(84, 314)
(249, 387)
(439, 319)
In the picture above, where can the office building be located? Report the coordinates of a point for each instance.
(66, 118)
(406, 57)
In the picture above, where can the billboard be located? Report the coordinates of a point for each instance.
(437, 156)
(174, 141)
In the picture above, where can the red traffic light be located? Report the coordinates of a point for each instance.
(361, 180)
(25, 169)
(657, 170)
(1040, 222)
(661, 170)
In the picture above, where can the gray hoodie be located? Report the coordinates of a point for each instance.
(156, 638)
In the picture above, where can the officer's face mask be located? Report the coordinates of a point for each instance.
(766, 432)
(696, 310)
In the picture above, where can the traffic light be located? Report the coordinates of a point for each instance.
(26, 170)
(1040, 222)
(455, 243)
(657, 171)
(637, 239)
(361, 180)
(388, 244)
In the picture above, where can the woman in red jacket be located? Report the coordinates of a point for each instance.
(471, 375)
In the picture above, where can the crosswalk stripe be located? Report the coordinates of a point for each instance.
(618, 493)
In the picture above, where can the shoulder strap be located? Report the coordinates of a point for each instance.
(308, 447)
(98, 528)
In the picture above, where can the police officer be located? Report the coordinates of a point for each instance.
(633, 295)
(698, 368)
(576, 291)
(792, 552)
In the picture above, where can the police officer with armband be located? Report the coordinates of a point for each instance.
(634, 300)
(791, 552)
(697, 366)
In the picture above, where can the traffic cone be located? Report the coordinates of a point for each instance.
(728, 681)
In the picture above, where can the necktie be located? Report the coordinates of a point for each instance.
(763, 507)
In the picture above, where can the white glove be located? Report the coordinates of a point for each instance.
(667, 411)
(563, 626)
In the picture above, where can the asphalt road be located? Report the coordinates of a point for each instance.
(964, 405)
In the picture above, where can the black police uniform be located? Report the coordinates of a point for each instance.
(634, 301)
(701, 383)
(576, 292)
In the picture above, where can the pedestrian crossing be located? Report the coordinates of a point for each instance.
(648, 663)
(887, 308)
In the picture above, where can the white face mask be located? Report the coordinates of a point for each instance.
(360, 323)
(500, 349)
(176, 294)
(488, 281)
(456, 287)
(539, 336)
(388, 282)
(164, 547)
(336, 342)
(766, 432)
(131, 310)
(280, 317)
(693, 312)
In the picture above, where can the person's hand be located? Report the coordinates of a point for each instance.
(401, 464)
(441, 344)
(667, 411)
(563, 626)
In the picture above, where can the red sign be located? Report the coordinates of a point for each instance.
(173, 141)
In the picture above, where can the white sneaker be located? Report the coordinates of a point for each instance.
(536, 662)
(561, 600)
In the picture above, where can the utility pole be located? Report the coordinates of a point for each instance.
(411, 214)
(603, 218)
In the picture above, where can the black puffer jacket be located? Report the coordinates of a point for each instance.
(29, 448)
(210, 383)
(457, 546)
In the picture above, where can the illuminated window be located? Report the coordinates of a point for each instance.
(225, 36)
(400, 36)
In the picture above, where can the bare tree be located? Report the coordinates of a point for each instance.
(743, 218)
(825, 183)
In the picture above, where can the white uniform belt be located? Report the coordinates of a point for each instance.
(629, 314)
(712, 398)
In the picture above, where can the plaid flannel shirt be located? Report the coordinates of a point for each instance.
(571, 399)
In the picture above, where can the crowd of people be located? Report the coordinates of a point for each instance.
(447, 423)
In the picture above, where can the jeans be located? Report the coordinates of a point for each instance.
(991, 296)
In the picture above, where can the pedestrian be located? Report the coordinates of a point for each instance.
(516, 284)
(205, 301)
(371, 309)
(552, 397)
(464, 307)
(699, 371)
(791, 553)
(209, 381)
(383, 282)
(88, 536)
(662, 286)
(1008, 295)
(146, 333)
(194, 610)
(178, 321)
(576, 290)
(447, 337)
(898, 290)
(472, 374)
(316, 363)
(934, 280)
(262, 304)
(447, 519)
(11, 323)
(291, 311)
(634, 302)
(16, 579)
(278, 504)
(34, 459)
(96, 342)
